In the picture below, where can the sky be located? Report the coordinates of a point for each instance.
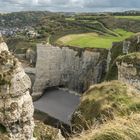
(69, 5)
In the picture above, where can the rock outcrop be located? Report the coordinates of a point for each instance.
(127, 46)
(129, 69)
(3, 46)
(67, 67)
(16, 107)
(45, 132)
(31, 56)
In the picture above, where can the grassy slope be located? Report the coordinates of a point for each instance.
(124, 128)
(93, 40)
(105, 102)
(129, 17)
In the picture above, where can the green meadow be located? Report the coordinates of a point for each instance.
(93, 40)
(129, 17)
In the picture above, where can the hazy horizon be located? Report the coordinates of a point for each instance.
(69, 5)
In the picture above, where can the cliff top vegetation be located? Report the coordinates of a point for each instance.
(106, 101)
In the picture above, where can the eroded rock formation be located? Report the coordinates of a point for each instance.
(16, 107)
(126, 46)
(129, 69)
(72, 69)
(3, 46)
(31, 56)
(45, 132)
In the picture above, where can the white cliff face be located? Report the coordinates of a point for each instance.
(127, 73)
(138, 39)
(16, 107)
(3, 46)
(31, 56)
(108, 60)
(126, 46)
(66, 67)
(129, 70)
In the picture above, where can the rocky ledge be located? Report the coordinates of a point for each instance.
(129, 69)
(16, 107)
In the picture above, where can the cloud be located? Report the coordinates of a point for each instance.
(68, 5)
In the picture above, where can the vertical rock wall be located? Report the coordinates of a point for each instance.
(126, 46)
(16, 107)
(3, 46)
(72, 69)
(129, 69)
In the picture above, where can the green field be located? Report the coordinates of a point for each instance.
(70, 19)
(129, 17)
(93, 40)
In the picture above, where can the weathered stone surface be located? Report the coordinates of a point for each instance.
(3, 47)
(126, 46)
(31, 56)
(45, 132)
(66, 67)
(129, 69)
(108, 60)
(16, 107)
(31, 73)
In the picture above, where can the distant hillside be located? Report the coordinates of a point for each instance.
(52, 26)
(20, 19)
(127, 13)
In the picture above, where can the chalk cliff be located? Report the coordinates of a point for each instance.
(127, 46)
(67, 67)
(3, 46)
(129, 69)
(16, 107)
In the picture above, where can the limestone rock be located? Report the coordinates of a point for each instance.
(66, 67)
(108, 60)
(129, 69)
(45, 132)
(3, 46)
(31, 56)
(16, 107)
(126, 46)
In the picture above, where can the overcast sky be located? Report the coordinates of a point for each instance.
(69, 5)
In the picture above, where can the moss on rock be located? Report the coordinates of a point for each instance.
(7, 67)
(132, 58)
(45, 132)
